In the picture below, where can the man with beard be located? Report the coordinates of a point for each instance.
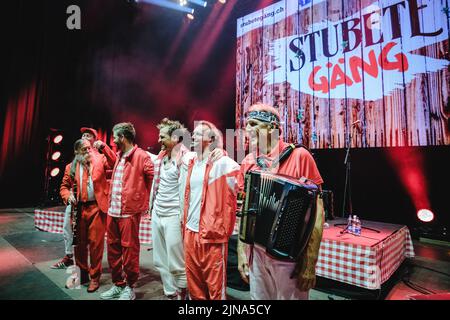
(209, 214)
(90, 135)
(87, 171)
(272, 279)
(130, 189)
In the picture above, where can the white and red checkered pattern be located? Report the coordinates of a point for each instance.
(50, 220)
(364, 265)
(53, 220)
(116, 190)
(145, 229)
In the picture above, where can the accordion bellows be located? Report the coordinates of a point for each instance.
(278, 213)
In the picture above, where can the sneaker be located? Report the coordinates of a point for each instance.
(127, 294)
(64, 263)
(113, 293)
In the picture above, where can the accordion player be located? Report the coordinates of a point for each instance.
(278, 213)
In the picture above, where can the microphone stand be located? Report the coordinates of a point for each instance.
(347, 187)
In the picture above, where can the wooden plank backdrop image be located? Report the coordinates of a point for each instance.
(372, 73)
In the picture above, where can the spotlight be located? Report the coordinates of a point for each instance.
(183, 2)
(222, 1)
(425, 215)
(56, 155)
(169, 5)
(198, 2)
(57, 139)
(54, 172)
(190, 16)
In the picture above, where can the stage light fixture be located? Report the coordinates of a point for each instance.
(183, 2)
(54, 172)
(58, 139)
(223, 1)
(169, 5)
(190, 16)
(198, 2)
(56, 155)
(425, 215)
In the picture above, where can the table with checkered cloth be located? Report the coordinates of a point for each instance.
(365, 261)
(52, 220)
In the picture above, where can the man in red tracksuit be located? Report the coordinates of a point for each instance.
(88, 171)
(209, 214)
(129, 197)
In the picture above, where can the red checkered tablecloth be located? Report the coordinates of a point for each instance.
(365, 261)
(52, 220)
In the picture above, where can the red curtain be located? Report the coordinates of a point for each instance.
(20, 125)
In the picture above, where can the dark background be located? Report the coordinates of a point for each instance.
(129, 63)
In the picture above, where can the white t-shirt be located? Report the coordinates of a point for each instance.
(195, 199)
(167, 200)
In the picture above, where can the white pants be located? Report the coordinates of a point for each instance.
(168, 253)
(67, 230)
(269, 278)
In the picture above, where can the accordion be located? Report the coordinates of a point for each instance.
(278, 213)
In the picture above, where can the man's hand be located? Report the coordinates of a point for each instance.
(72, 199)
(98, 145)
(216, 154)
(306, 278)
(242, 262)
(305, 268)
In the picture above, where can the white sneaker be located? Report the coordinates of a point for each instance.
(127, 294)
(113, 293)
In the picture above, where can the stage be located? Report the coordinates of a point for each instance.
(363, 85)
(361, 265)
(28, 253)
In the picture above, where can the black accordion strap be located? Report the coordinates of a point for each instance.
(282, 157)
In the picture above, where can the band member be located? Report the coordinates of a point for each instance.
(209, 214)
(272, 279)
(90, 135)
(87, 170)
(168, 253)
(129, 197)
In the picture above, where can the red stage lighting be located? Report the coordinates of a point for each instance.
(56, 155)
(425, 215)
(54, 172)
(58, 138)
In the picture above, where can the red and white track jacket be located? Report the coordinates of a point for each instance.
(218, 204)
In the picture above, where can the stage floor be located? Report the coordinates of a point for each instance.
(26, 255)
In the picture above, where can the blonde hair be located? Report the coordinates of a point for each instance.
(173, 126)
(214, 133)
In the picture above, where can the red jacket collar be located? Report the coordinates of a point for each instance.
(130, 154)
